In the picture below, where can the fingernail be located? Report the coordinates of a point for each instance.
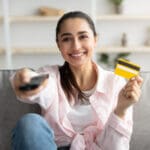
(133, 78)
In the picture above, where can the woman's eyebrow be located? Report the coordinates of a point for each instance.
(82, 32)
(65, 34)
(68, 34)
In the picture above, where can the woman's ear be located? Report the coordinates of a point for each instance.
(96, 40)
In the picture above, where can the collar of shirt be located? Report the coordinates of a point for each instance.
(103, 79)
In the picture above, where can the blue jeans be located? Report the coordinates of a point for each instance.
(32, 132)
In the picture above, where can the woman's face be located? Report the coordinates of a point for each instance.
(76, 41)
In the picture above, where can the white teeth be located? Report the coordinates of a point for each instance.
(77, 55)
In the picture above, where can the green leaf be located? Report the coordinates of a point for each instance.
(104, 58)
(116, 2)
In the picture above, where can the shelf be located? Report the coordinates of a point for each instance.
(107, 49)
(122, 17)
(54, 50)
(14, 19)
(33, 50)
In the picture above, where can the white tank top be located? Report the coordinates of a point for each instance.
(82, 114)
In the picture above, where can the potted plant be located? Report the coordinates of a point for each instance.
(118, 5)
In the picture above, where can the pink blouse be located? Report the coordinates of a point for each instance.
(108, 133)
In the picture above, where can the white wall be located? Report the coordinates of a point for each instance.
(43, 34)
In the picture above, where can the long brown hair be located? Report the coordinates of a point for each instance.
(67, 78)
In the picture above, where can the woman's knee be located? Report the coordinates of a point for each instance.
(32, 132)
(29, 120)
(33, 124)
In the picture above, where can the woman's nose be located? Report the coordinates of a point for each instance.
(76, 44)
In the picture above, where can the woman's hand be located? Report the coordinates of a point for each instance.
(22, 77)
(129, 95)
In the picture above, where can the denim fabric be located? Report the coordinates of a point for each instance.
(32, 132)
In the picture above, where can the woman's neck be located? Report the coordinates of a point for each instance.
(85, 76)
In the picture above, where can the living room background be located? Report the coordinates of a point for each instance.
(31, 40)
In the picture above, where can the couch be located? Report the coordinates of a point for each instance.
(11, 110)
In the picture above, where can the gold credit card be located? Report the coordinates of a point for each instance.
(126, 69)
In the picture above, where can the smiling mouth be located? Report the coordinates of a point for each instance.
(76, 55)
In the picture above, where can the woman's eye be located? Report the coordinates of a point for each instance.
(65, 39)
(83, 36)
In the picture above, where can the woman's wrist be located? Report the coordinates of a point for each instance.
(120, 113)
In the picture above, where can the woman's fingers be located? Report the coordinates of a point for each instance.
(138, 79)
(129, 95)
(23, 76)
(132, 89)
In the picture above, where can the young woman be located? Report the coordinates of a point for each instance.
(84, 107)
